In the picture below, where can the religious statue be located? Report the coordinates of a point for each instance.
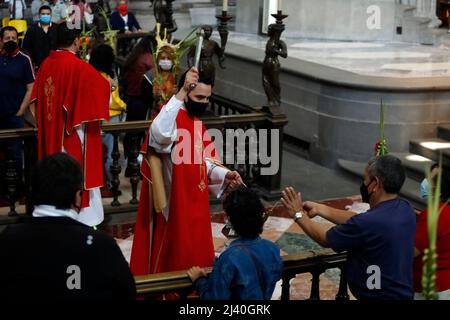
(162, 9)
(209, 49)
(271, 66)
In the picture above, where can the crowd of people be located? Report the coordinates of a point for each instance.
(22, 58)
(58, 253)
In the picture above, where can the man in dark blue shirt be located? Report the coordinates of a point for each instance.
(16, 79)
(16, 83)
(379, 242)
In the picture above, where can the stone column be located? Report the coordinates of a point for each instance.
(435, 21)
(427, 9)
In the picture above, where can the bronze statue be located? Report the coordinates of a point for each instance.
(271, 66)
(162, 9)
(209, 49)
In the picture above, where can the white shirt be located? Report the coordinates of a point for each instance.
(51, 211)
(125, 19)
(163, 133)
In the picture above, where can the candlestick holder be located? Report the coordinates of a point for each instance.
(275, 48)
(279, 16)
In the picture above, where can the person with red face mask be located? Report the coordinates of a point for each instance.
(123, 20)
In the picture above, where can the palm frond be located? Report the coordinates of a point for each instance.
(429, 289)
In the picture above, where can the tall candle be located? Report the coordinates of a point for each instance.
(225, 5)
(279, 4)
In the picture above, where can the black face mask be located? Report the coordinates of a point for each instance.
(10, 46)
(365, 192)
(197, 109)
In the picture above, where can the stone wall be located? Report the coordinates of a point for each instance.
(337, 112)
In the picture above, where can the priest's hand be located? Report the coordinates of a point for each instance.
(292, 201)
(196, 272)
(233, 180)
(190, 82)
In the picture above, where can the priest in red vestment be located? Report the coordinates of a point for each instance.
(71, 99)
(173, 226)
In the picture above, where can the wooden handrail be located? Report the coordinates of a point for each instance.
(160, 283)
(132, 35)
(136, 126)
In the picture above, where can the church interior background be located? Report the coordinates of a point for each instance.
(345, 59)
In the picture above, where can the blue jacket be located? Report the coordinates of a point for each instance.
(117, 22)
(243, 271)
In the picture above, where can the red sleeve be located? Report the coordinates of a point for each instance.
(422, 231)
(444, 224)
(90, 99)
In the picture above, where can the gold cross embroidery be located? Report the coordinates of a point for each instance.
(49, 90)
(198, 144)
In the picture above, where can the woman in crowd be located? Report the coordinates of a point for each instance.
(443, 245)
(164, 82)
(102, 59)
(139, 98)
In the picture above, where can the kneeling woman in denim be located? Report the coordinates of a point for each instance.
(250, 267)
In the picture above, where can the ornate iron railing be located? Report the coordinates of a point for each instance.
(224, 115)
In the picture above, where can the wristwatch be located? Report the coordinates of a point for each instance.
(298, 215)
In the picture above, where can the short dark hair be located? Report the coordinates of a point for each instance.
(445, 182)
(45, 7)
(246, 212)
(55, 181)
(65, 35)
(389, 170)
(102, 59)
(7, 28)
(203, 77)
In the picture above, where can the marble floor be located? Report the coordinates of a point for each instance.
(394, 59)
(398, 60)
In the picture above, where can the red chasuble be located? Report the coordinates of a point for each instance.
(185, 239)
(68, 93)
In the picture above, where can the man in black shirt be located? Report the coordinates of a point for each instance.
(53, 256)
(41, 37)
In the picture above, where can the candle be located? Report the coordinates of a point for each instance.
(225, 5)
(279, 5)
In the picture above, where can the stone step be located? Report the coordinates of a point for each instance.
(432, 148)
(410, 190)
(444, 132)
(414, 164)
(417, 20)
(441, 37)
